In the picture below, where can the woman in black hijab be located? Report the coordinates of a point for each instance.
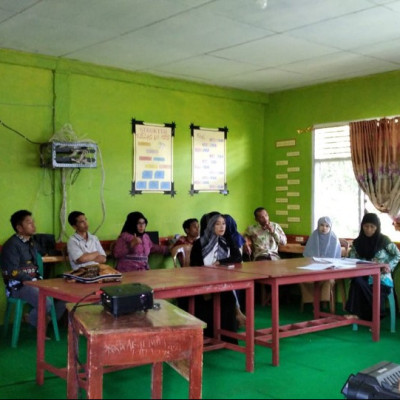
(371, 245)
(134, 245)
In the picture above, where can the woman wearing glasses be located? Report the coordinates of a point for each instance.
(134, 245)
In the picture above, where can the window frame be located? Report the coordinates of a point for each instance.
(363, 201)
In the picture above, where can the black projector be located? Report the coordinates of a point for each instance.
(127, 298)
(381, 381)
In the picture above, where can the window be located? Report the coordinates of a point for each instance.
(335, 190)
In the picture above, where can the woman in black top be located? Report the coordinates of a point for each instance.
(215, 248)
(371, 245)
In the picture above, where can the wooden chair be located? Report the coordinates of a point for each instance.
(328, 293)
(181, 255)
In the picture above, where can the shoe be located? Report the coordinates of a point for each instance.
(351, 316)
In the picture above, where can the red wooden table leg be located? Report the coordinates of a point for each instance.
(156, 380)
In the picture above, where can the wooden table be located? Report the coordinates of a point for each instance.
(285, 272)
(166, 283)
(154, 336)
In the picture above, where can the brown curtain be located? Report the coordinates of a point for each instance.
(375, 153)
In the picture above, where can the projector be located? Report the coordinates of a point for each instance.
(381, 381)
(127, 298)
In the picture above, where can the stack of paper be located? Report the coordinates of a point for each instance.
(332, 263)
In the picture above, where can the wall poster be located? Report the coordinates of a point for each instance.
(208, 160)
(152, 158)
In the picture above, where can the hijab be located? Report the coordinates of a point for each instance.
(231, 230)
(204, 220)
(365, 246)
(209, 241)
(131, 222)
(323, 244)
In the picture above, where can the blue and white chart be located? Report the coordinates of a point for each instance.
(153, 158)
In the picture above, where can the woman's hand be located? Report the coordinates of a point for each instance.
(386, 269)
(135, 241)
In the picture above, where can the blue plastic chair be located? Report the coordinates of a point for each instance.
(19, 307)
(392, 309)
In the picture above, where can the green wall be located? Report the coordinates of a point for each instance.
(289, 111)
(39, 94)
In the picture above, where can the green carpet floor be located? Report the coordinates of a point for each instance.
(313, 366)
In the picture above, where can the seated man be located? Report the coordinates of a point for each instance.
(191, 228)
(19, 264)
(83, 247)
(263, 238)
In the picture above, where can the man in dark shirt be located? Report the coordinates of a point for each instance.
(19, 264)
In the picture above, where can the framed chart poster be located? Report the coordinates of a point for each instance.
(208, 160)
(152, 158)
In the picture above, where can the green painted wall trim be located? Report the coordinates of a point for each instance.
(69, 66)
(8, 56)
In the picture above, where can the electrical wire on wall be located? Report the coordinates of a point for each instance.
(103, 180)
(46, 191)
(63, 209)
(18, 133)
(67, 134)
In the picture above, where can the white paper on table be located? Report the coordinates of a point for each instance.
(330, 263)
(317, 267)
(342, 262)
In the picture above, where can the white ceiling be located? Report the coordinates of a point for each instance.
(231, 43)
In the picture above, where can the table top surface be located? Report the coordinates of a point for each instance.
(158, 279)
(95, 319)
(290, 267)
(191, 277)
